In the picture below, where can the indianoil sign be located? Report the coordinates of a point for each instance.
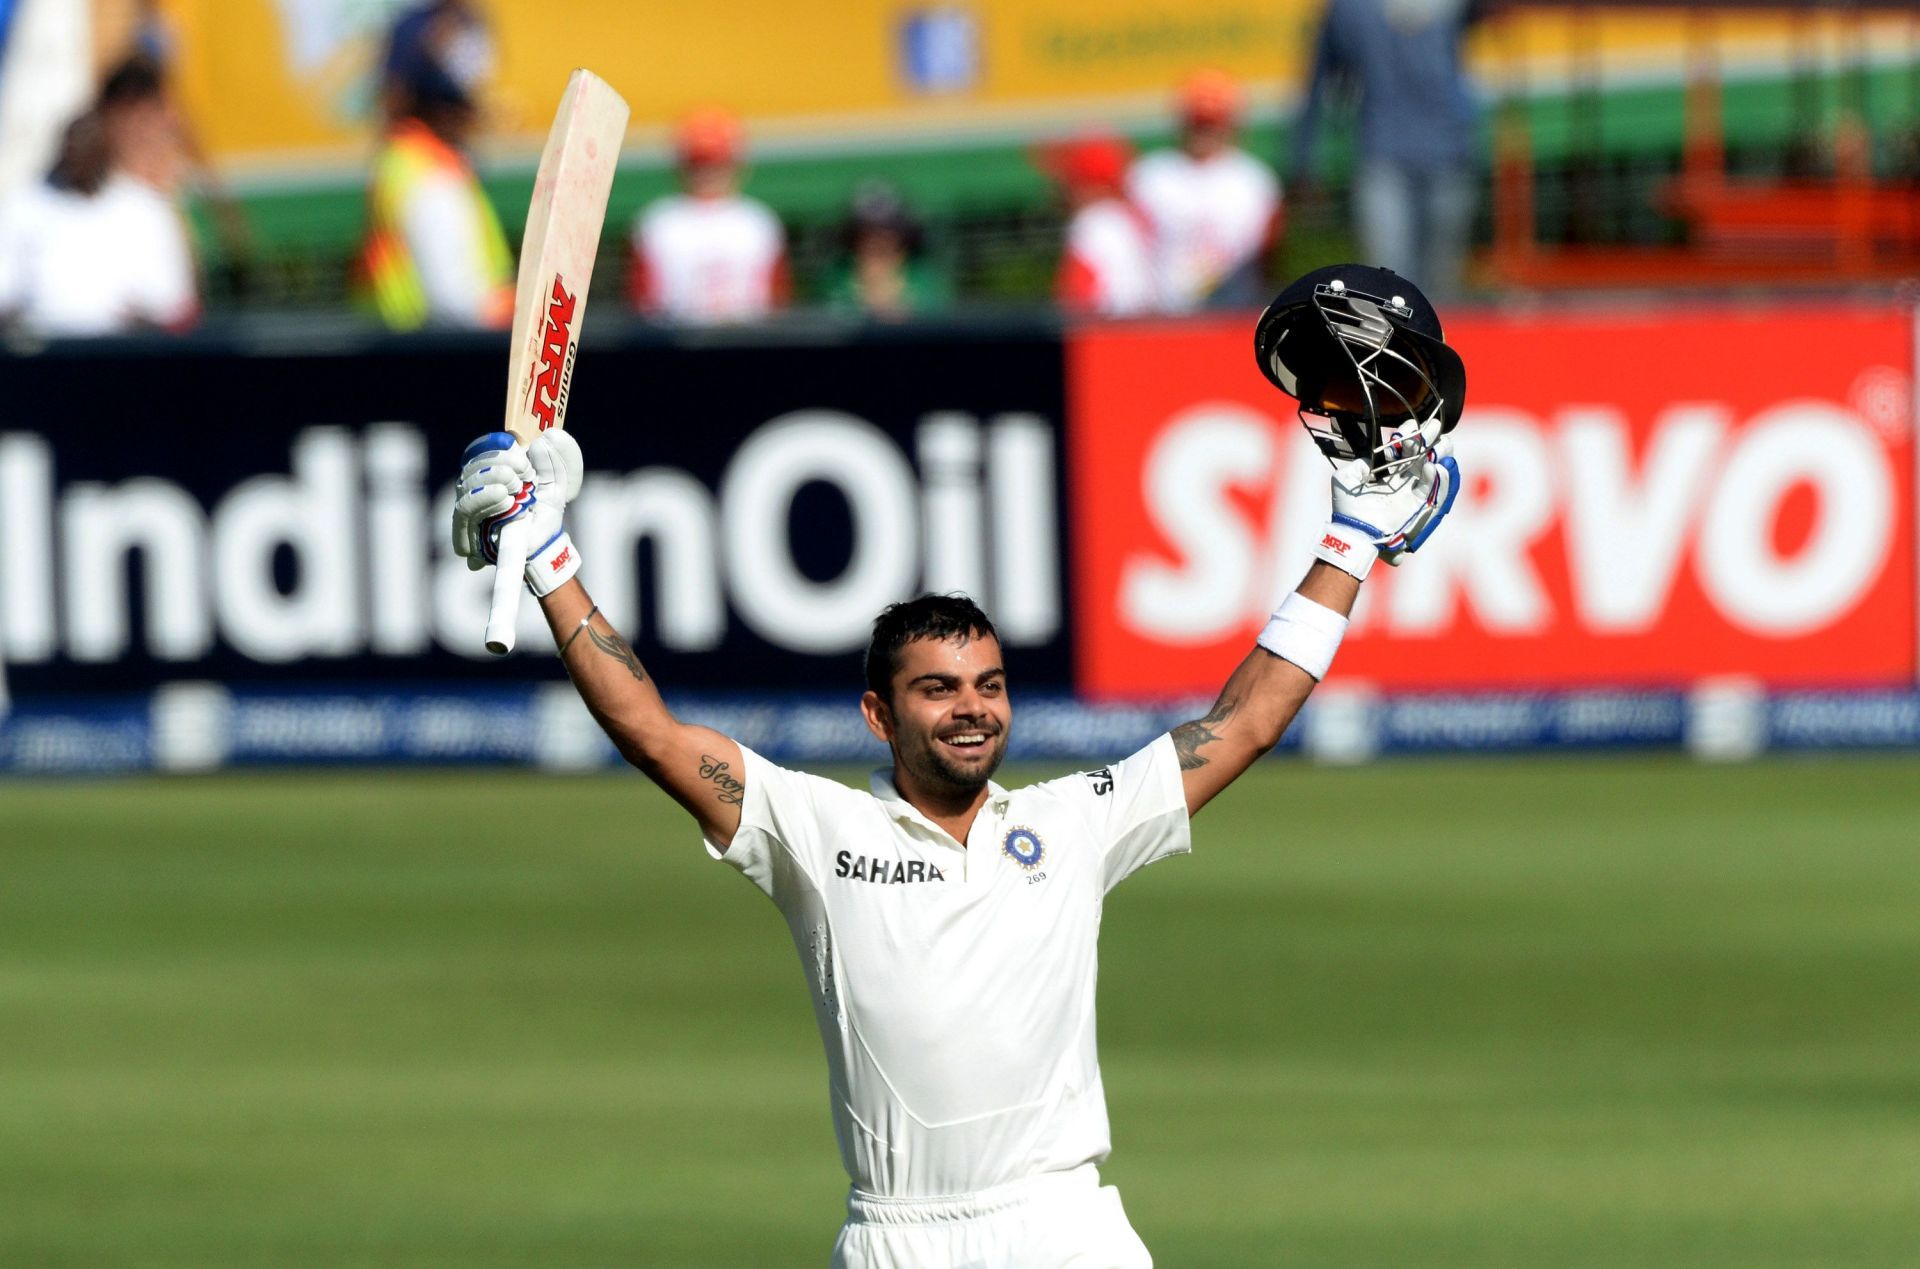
(747, 510)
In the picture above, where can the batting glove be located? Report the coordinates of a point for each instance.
(1375, 519)
(501, 482)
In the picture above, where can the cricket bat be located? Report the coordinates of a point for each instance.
(550, 299)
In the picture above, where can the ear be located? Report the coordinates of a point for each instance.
(879, 717)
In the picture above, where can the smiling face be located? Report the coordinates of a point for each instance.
(946, 716)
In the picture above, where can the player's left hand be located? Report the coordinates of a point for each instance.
(1387, 519)
(502, 481)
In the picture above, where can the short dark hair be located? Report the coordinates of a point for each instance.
(136, 80)
(925, 617)
(80, 166)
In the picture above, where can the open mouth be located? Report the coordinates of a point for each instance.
(966, 741)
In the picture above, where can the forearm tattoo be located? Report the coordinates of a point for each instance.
(1190, 738)
(614, 646)
(729, 788)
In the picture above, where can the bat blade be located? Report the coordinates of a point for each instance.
(564, 220)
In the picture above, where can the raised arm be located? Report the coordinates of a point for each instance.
(1361, 350)
(1258, 703)
(500, 482)
(1371, 521)
(698, 767)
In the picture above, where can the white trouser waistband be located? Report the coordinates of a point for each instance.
(876, 1209)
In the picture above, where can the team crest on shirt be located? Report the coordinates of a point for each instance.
(1024, 847)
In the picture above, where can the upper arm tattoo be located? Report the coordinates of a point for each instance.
(614, 646)
(1190, 738)
(729, 788)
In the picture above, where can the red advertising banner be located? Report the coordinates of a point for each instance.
(1649, 499)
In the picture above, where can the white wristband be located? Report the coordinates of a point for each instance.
(1347, 549)
(1305, 633)
(551, 566)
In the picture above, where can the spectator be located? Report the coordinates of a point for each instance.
(708, 254)
(156, 37)
(100, 247)
(434, 253)
(1214, 208)
(452, 34)
(884, 275)
(1414, 183)
(1107, 267)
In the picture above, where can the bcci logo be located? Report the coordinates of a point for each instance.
(1023, 847)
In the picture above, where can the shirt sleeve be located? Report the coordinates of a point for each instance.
(779, 836)
(14, 248)
(1136, 808)
(444, 240)
(162, 289)
(654, 279)
(1145, 183)
(1267, 188)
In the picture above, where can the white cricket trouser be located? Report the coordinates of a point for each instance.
(1062, 1220)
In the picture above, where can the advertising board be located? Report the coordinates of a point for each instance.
(206, 512)
(1650, 498)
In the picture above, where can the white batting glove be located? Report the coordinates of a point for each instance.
(494, 486)
(502, 481)
(1383, 520)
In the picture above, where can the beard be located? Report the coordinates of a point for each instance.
(937, 771)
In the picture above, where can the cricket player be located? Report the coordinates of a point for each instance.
(947, 925)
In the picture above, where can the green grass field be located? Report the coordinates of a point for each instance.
(1607, 1012)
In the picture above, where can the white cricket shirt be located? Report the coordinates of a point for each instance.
(1210, 216)
(73, 265)
(446, 236)
(954, 984)
(709, 259)
(1110, 248)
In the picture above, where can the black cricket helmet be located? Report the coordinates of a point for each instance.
(1361, 350)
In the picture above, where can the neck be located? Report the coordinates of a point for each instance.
(952, 810)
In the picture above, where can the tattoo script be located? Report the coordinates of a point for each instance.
(614, 646)
(731, 790)
(1190, 738)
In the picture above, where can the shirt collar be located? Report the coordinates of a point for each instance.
(899, 809)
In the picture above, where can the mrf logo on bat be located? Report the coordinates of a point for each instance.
(547, 391)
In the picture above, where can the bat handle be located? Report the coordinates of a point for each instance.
(507, 584)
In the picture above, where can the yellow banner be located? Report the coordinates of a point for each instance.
(292, 79)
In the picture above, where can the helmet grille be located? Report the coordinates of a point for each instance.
(1362, 384)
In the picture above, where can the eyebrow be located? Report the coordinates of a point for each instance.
(948, 680)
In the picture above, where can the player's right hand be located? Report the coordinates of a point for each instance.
(495, 486)
(501, 482)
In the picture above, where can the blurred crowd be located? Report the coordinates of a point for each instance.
(99, 246)
(102, 244)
